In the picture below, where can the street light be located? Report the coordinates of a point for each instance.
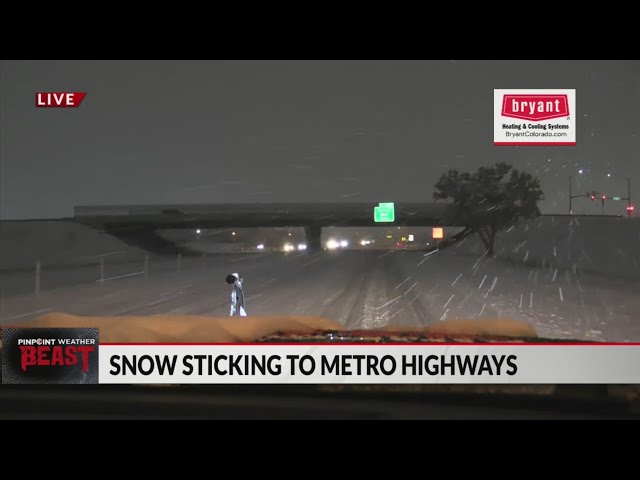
(571, 197)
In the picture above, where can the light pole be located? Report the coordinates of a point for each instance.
(571, 197)
(630, 207)
(627, 198)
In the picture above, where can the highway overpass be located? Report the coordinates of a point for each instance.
(137, 224)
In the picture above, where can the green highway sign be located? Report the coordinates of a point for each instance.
(616, 198)
(384, 212)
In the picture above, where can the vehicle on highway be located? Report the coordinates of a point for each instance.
(386, 198)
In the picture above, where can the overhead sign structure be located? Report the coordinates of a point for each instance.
(384, 213)
(438, 232)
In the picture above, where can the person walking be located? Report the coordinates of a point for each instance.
(237, 295)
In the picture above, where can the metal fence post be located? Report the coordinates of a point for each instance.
(146, 266)
(102, 270)
(179, 261)
(38, 268)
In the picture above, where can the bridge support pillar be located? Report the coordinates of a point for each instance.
(313, 234)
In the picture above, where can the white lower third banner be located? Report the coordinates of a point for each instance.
(370, 364)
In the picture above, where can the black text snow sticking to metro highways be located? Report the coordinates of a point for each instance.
(334, 365)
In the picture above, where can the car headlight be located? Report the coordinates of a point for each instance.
(332, 244)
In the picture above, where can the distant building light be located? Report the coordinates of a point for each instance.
(260, 247)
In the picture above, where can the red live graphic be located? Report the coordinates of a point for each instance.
(57, 355)
(59, 99)
(535, 107)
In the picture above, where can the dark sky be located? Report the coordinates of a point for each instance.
(247, 131)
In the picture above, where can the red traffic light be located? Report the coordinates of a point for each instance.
(593, 197)
(630, 208)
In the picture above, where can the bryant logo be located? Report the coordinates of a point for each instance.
(50, 355)
(535, 108)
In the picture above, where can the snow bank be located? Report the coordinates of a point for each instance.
(608, 246)
(58, 243)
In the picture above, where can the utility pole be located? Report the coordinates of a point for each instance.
(571, 196)
(628, 192)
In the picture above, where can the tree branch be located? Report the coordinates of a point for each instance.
(482, 236)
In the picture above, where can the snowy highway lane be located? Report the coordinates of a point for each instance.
(363, 289)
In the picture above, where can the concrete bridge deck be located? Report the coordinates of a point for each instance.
(138, 223)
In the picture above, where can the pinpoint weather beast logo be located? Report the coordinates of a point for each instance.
(49, 355)
(534, 117)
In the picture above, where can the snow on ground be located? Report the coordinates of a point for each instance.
(56, 243)
(608, 246)
(564, 289)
